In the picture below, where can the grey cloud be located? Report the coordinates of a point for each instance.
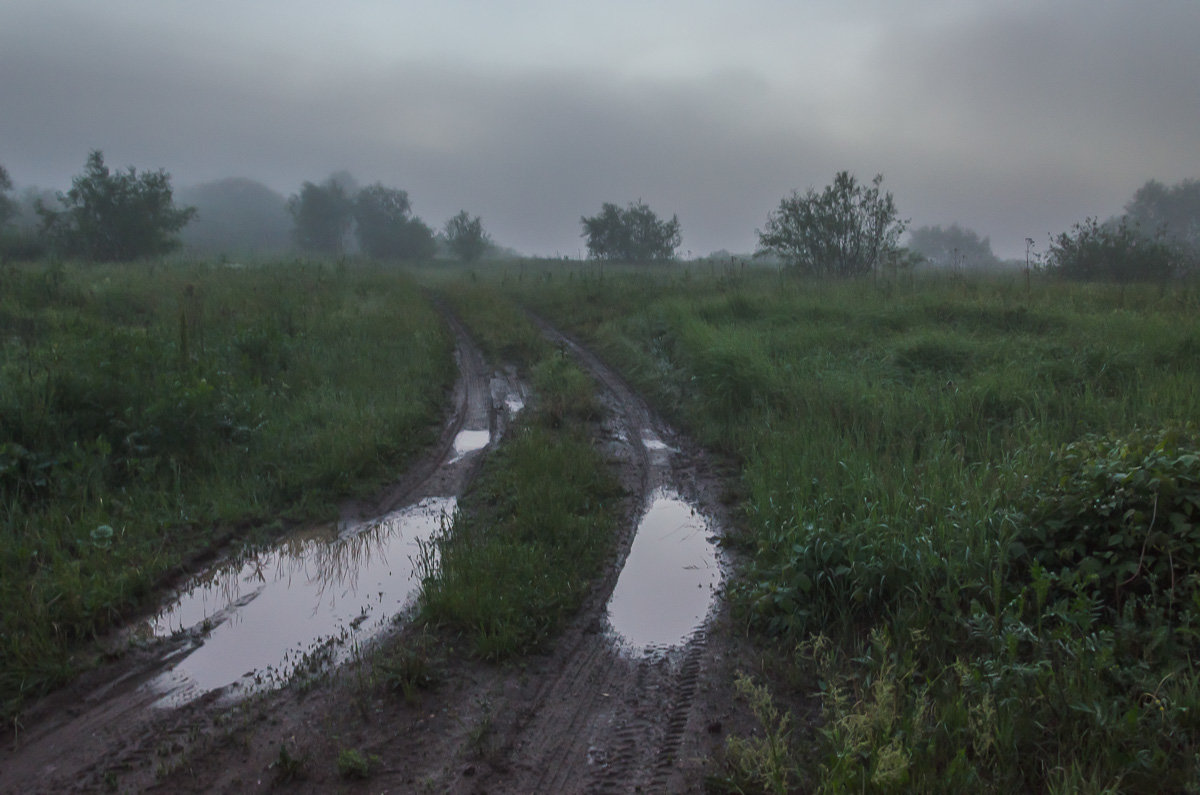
(1013, 122)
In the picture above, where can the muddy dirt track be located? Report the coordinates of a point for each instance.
(621, 703)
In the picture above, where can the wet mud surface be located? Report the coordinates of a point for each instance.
(273, 650)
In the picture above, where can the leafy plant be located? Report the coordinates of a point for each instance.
(1120, 520)
(354, 764)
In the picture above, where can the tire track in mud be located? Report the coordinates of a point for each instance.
(105, 729)
(600, 719)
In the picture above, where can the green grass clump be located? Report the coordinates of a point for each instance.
(963, 521)
(146, 411)
(535, 528)
(355, 765)
(522, 555)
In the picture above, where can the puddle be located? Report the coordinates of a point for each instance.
(267, 614)
(669, 581)
(468, 442)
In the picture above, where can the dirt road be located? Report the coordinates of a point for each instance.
(625, 701)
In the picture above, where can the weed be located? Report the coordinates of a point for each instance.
(761, 763)
(480, 734)
(409, 669)
(353, 764)
(288, 768)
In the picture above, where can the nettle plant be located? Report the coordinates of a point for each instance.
(1121, 521)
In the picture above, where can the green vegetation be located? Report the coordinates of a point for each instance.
(846, 230)
(1115, 252)
(466, 238)
(354, 764)
(535, 528)
(107, 217)
(147, 415)
(630, 234)
(970, 519)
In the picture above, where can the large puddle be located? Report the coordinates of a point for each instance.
(265, 618)
(669, 581)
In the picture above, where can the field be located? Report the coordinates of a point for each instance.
(963, 511)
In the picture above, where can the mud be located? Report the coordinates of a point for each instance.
(636, 694)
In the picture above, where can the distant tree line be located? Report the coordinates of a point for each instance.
(847, 229)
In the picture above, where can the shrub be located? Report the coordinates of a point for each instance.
(1121, 519)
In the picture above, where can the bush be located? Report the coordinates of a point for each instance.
(1121, 519)
(1110, 252)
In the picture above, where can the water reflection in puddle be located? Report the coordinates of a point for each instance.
(274, 608)
(468, 442)
(669, 579)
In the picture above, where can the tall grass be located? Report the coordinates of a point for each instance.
(147, 411)
(536, 527)
(893, 437)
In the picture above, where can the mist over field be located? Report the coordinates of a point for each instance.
(1014, 121)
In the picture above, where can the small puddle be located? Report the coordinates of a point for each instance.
(669, 581)
(263, 618)
(468, 442)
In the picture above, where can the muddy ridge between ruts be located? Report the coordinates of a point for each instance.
(618, 695)
(622, 702)
(250, 623)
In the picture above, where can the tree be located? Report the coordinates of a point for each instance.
(116, 217)
(633, 234)
(952, 247)
(322, 215)
(7, 207)
(846, 230)
(386, 228)
(1174, 211)
(236, 216)
(466, 237)
(1117, 252)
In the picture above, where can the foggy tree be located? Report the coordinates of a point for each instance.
(466, 237)
(7, 207)
(1174, 210)
(386, 227)
(322, 215)
(846, 230)
(116, 217)
(236, 216)
(1117, 252)
(632, 234)
(953, 246)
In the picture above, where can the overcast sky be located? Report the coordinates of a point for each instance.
(1014, 118)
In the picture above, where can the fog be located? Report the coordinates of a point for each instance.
(1013, 121)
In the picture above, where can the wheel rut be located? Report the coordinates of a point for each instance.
(603, 717)
(116, 725)
(604, 710)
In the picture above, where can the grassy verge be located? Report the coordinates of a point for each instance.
(145, 411)
(972, 512)
(537, 525)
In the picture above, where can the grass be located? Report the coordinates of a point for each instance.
(148, 412)
(537, 525)
(896, 440)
